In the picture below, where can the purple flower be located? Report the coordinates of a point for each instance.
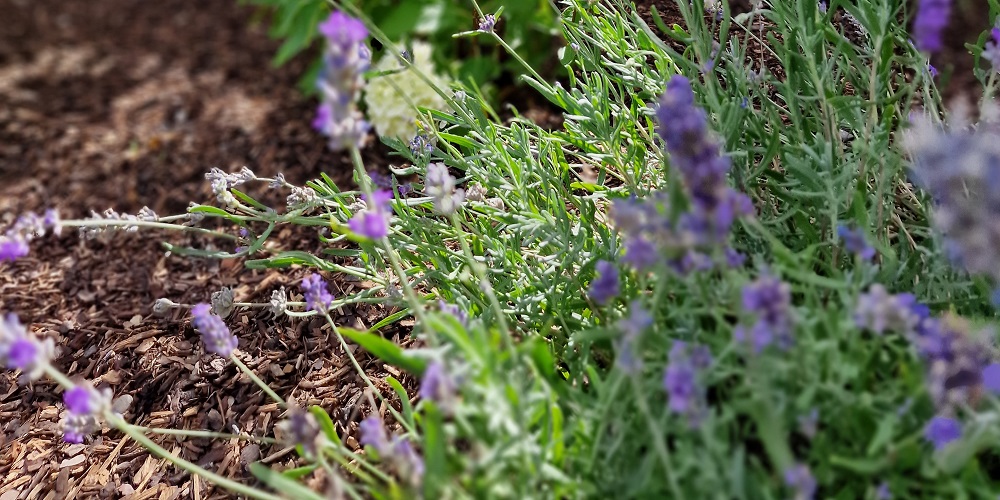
(809, 423)
(991, 51)
(214, 332)
(942, 430)
(991, 378)
(315, 290)
(854, 242)
(638, 320)
(342, 29)
(438, 386)
(883, 492)
(399, 452)
(440, 186)
(929, 24)
(800, 479)
(340, 81)
(605, 286)
(879, 311)
(693, 239)
(302, 430)
(685, 394)
(323, 113)
(640, 253)
(84, 405)
(12, 248)
(487, 23)
(21, 351)
(373, 221)
(455, 311)
(770, 300)
(372, 433)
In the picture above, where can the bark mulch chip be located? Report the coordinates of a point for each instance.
(124, 104)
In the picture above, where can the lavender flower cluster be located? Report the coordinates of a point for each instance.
(960, 167)
(960, 364)
(652, 228)
(681, 380)
(398, 452)
(346, 59)
(929, 24)
(770, 300)
(14, 243)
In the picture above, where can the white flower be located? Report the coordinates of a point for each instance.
(388, 109)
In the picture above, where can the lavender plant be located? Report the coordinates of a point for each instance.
(714, 281)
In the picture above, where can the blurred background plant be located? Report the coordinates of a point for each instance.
(527, 25)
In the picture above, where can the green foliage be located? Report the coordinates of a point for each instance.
(526, 26)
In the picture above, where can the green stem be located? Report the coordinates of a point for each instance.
(144, 223)
(180, 463)
(260, 383)
(659, 440)
(200, 434)
(484, 283)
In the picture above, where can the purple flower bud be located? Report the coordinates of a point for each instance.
(487, 23)
(84, 404)
(302, 430)
(21, 351)
(854, 242)
(685, 394)
(605, 286)
(439, 386)
(340, 81)
(800, 479)
(883, 492)
(769, 299)
(929, 24)
(629, 359)
(214, 332)
(318, 298)
(12, 248)
(372, 433)
(942, 430)
(342, 29)
(991, 378)
(373, 221)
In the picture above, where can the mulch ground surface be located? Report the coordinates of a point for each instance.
(123, 104)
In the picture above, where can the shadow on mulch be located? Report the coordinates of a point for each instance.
(123, 104)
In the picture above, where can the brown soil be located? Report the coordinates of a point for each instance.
(123, 104)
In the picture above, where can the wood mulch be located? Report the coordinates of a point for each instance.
(125, 104)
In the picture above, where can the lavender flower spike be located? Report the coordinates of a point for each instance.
(854, 242)
(214, 332)
(605, 286)
(84, 405)
(440, 185)
(373, 221)
(800, 479)
(340, 81)
(942, 430)
(318, 298)
(21, 351)
(929, 24)
(681, 380)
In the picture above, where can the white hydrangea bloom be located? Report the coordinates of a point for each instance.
(388, 110)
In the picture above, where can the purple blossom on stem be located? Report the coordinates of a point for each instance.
(770, 300)
(439, 386)
(605, 286)
(487, 23)
(302, 430)
(28, 226)
(800, 479)
(991, 378)
(455, 311)
(942, 430)
(694, 239)
(318, 298)
(214, 332)
(21, 351)
(399, 452)
(879, 311)
(854, 242)
(344, 62)
(629, 360)
(991, 51)
(685, 394)
(882, 492)
(373, 221)
(929, 24)
(84, 405)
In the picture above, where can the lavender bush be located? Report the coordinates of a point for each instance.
(712, 282)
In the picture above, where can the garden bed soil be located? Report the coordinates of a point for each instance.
(123, 104)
